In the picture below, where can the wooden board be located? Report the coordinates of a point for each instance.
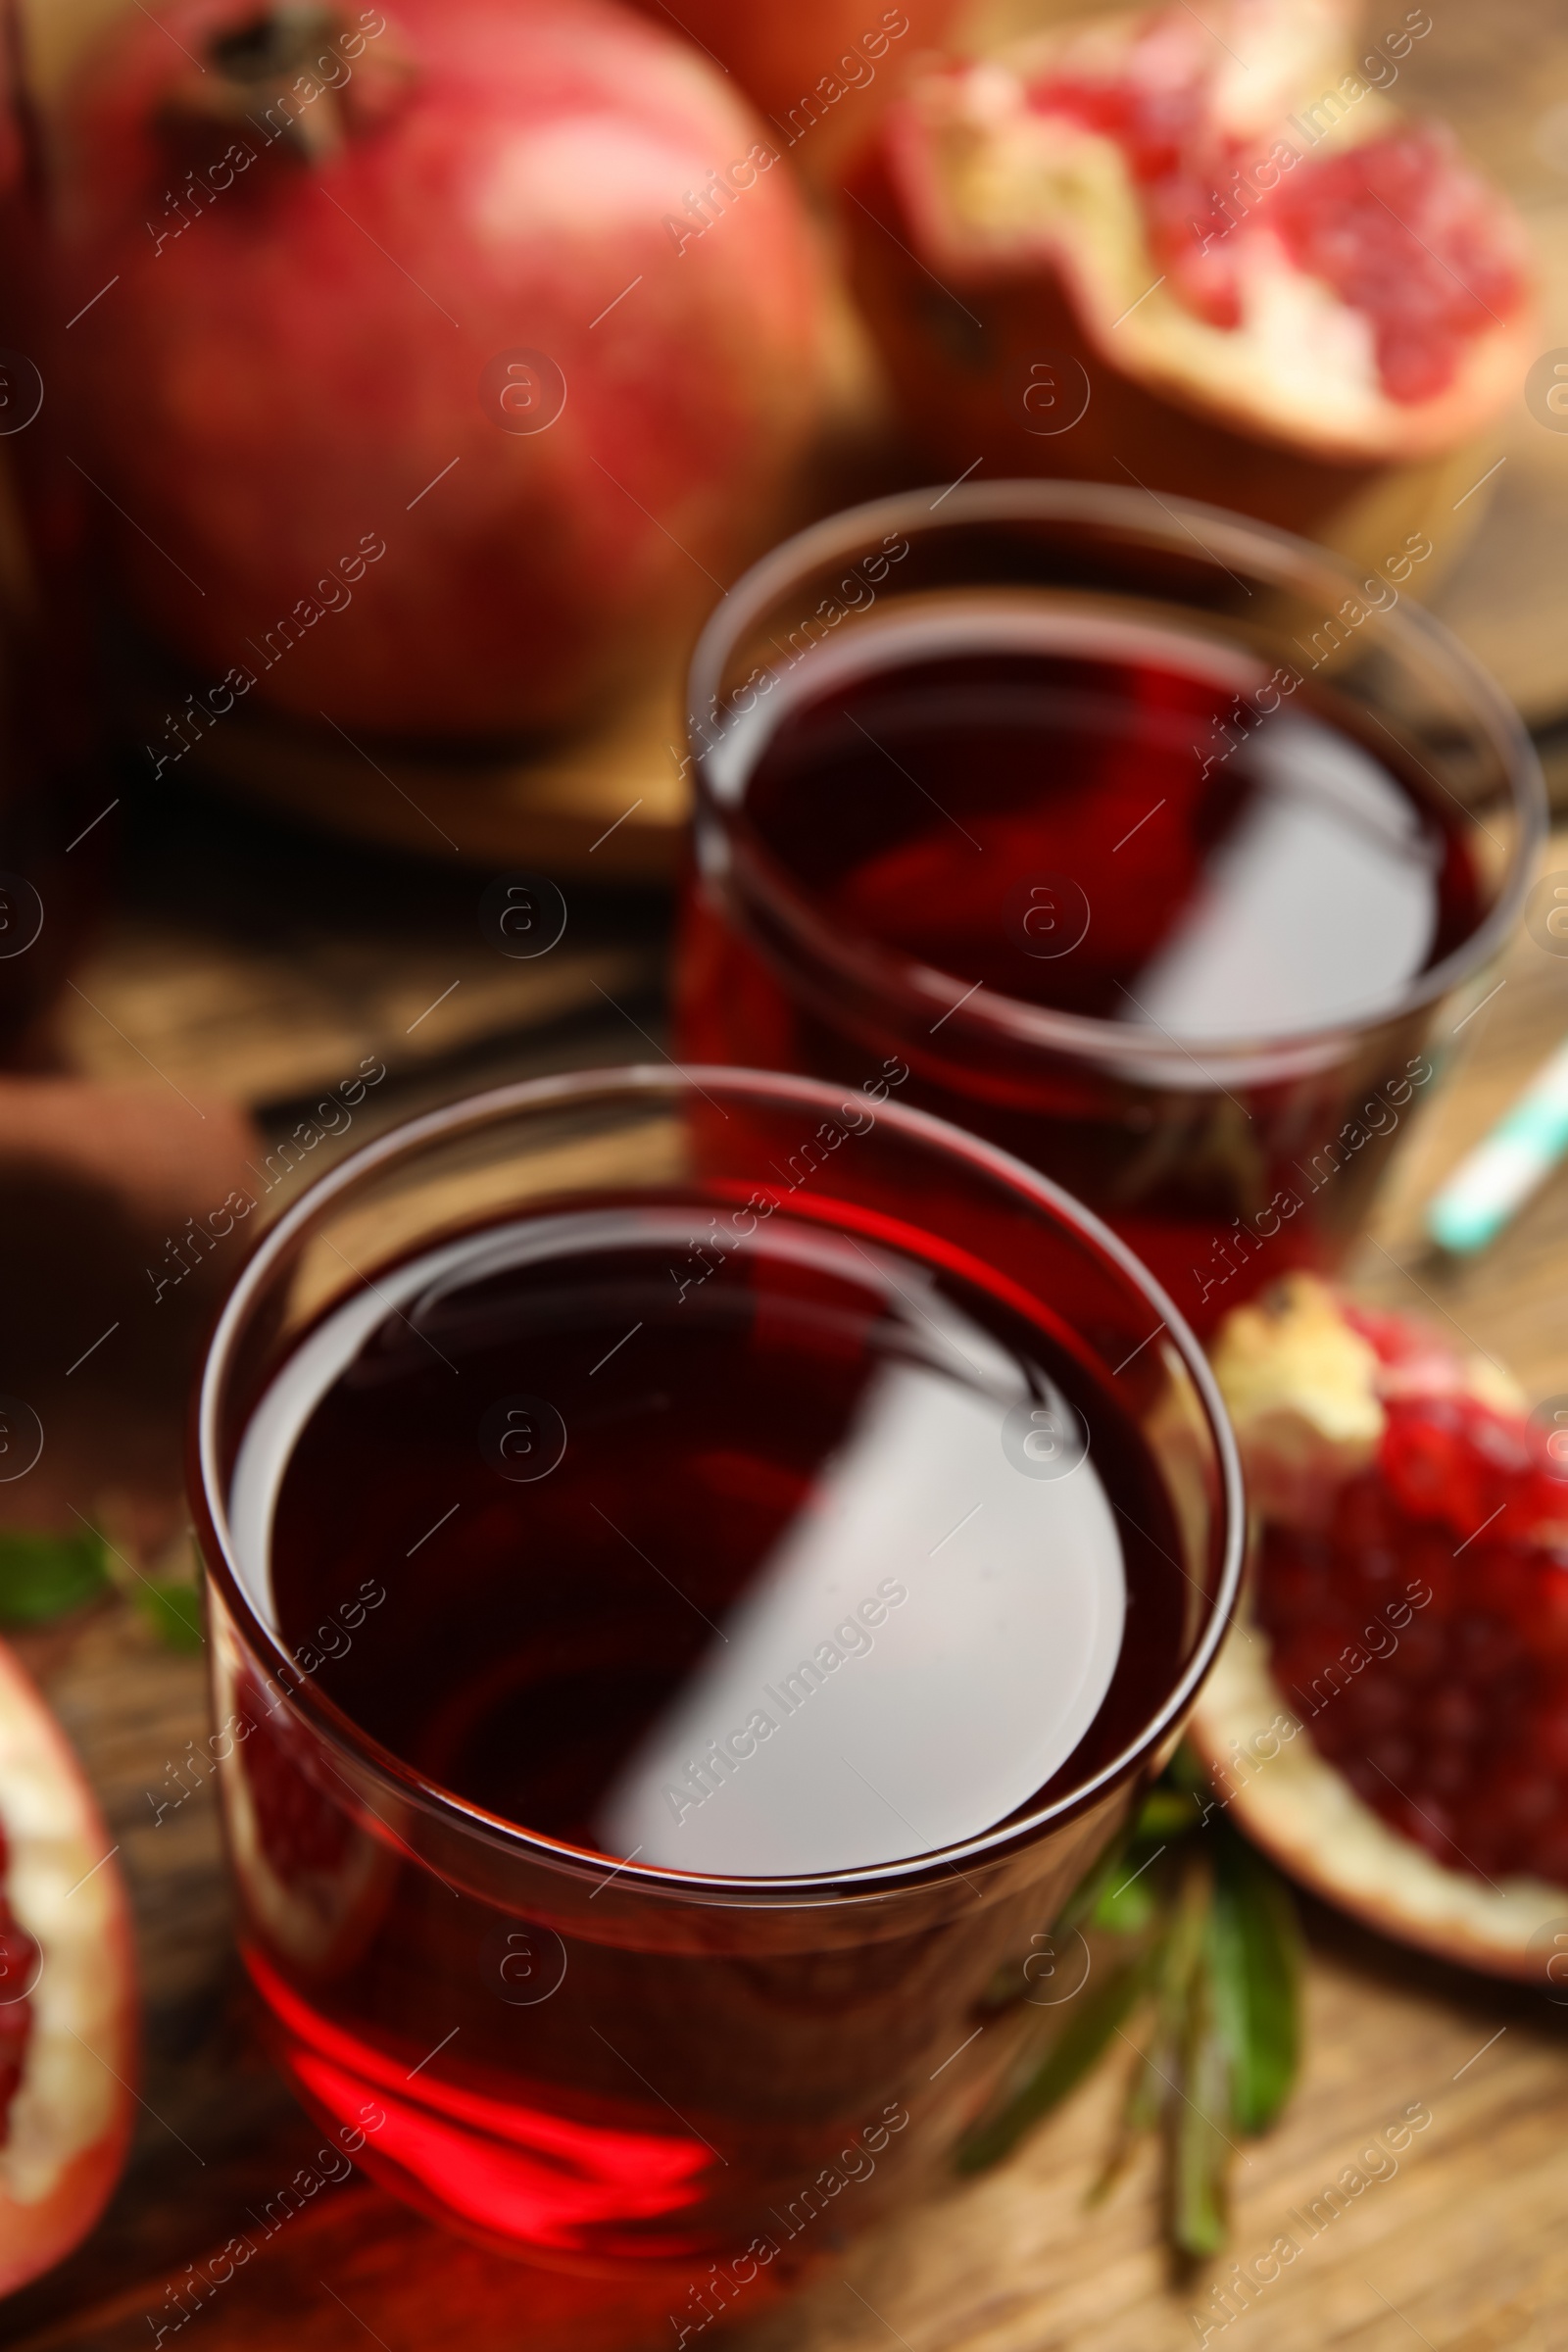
(1463, 2246)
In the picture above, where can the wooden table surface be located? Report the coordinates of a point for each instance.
(1464, 2249)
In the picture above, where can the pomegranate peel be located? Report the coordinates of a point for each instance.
(262, 68)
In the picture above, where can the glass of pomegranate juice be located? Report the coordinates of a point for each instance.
(700, 1566)
(1166, 849)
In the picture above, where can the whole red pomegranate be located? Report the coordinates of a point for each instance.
(804, 63)
(441, 362)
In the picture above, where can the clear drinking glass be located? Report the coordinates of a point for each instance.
(1242, 1133)
(596, 2057)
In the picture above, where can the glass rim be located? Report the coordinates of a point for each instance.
(629, 1083)
(1280, 557)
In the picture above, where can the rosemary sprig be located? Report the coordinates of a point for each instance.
(46, 1576)
(1199, 1944)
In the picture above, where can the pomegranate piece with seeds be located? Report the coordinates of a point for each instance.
(1276, 288)
(19, 1962)
(1409, 1638)
(67, 2007)
(1398, 227)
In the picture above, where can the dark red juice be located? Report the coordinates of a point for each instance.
(807, 1553)
(994, 814)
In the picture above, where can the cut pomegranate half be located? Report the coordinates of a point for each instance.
(1391, 1722)
(67, 2005)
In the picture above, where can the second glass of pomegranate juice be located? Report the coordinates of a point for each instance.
(1161, 848)
(699, 1569)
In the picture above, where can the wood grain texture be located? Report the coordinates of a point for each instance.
(247, 957)
(272, 1025)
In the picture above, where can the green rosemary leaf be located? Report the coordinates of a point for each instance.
(1089, 2027)
(1128, 1909)
(1200, 2145)
(1183, 1949)
(44, 1576)
(1148, 2089)
(1217, 1946)
(1255, 1958)
(1168, 1813)
(173, 1610)
(1182, 1901)
(1085, 1900)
